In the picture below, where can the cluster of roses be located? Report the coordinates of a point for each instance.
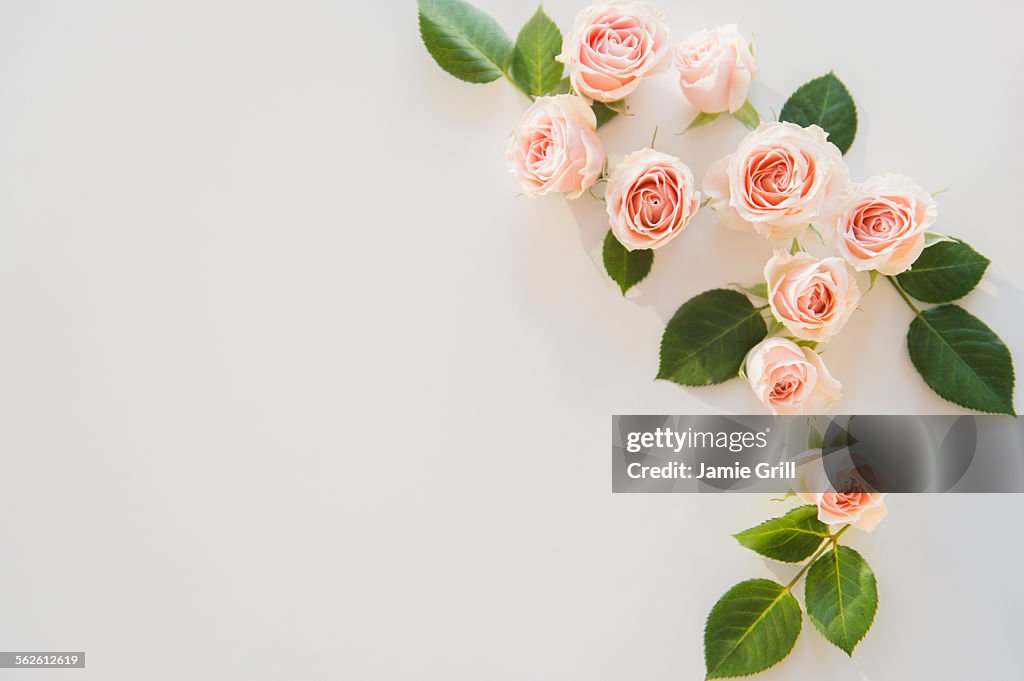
(781, 180)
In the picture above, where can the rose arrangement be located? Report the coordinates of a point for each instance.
(786, 178)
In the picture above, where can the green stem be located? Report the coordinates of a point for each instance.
(903, 294)
(509, 78)
(832, 541)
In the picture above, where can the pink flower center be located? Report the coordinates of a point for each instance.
(881, 219)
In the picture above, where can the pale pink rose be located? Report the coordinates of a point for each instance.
(650, 199)
(781, 178)
(716, 69)
(883, 222)
(790, 379)
(847, 499)
(556, 147)
(613, 46)
(812, 297)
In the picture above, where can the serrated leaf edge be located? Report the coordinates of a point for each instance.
(1013, 370)
(800, 628)
(814, 622)
(661, 347)
(798, 509)
(856, 115)
(604, 262)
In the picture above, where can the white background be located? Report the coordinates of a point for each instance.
(292, 385)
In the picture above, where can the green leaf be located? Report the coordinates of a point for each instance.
(790, 538)
(747, 115)
(751, 628)
(603, 112)
(840, 437)
(702, 119)
(825, 102)
(626, 268)
(873, 276)
(945, 271)
(962, 360)
(841, 597)
(708, 337)
(814, 438)
(619, 106)
(758, 290)
(464, 41)
(562, 88)
(931, 238)
(533, 61)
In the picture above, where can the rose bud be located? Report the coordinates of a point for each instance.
(716, 69)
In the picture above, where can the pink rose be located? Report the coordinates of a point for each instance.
(812, 297)
(856, 504)
(781, 178)
(716, 69)
(650, 198)
(883, 222)
(556, 147)
(790, 379)
(614, 45)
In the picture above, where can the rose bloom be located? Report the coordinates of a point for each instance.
(612, 47)
(650, 198)
(781, 178)
(790, 379)
(857, 504)
(556, 147)
(883, 222)
(716, 69)
(812, 297)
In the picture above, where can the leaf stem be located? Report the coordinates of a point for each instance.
(903, 294)
(832, 541)
(509, 78)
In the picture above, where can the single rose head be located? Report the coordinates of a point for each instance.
(883, 222)
(716, 69)
(812, 297)
(842, 496)
(650, 198)
(781, 178)
(556, 147)
(613, 46)
(790, 379)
